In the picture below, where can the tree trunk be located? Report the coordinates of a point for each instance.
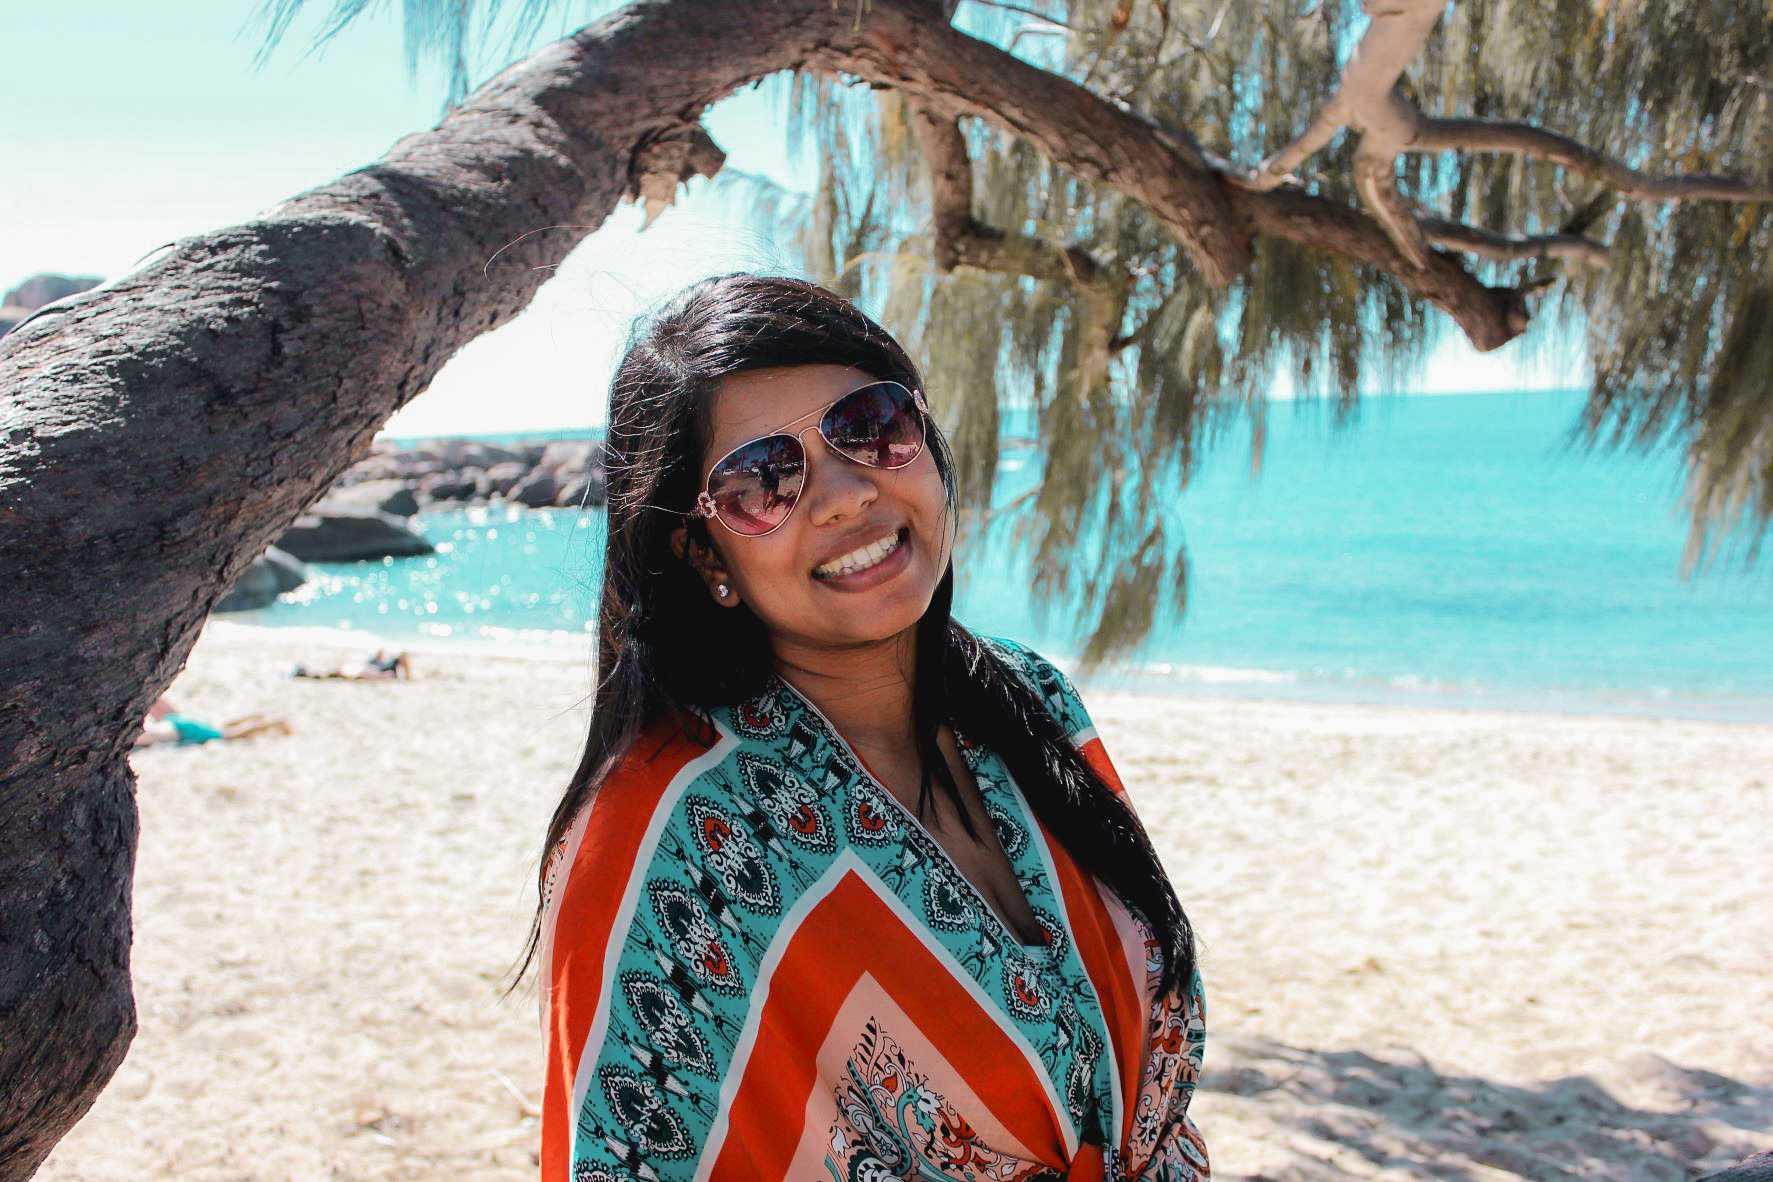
(158, 432)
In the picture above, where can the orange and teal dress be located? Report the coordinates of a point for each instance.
(758, 964)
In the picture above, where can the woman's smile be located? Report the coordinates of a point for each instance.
(869, 565)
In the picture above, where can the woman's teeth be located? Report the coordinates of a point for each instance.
(861, 559)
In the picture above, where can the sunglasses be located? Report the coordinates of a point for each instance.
(754, 487)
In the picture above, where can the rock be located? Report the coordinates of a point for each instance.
(566, 458)
(399, 500)
(38, 291)
(446, 486)
(581, 492)
(502, 478)
(270, 575)
(468, 453)
(383, 496)
(42, 289)
(1758, 1168)
(392, 479)
(378, 467)
(536, 490)
(341, 536)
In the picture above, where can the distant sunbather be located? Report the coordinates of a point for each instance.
(378, 666)
(164, 724)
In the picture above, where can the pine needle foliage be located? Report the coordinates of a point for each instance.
(1127, 383)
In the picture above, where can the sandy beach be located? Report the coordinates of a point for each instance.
(1436, 944)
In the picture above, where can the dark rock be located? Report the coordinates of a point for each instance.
(387, 467)
(1758, 1168)
(337, 536)
(536, 490)
(399, 501)
(502, 478)
(581, 492)
(39, 291)
(467, 453)
(446, 486)
(383, 496)
(270, 575)
(567, 458)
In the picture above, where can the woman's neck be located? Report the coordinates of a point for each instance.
(864, 690)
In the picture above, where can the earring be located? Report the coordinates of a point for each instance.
(722, 590)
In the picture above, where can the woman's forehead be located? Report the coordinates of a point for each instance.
(758, 401)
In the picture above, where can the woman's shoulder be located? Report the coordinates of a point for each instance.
(1049, 681)
(620, 823)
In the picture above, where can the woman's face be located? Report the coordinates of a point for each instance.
(843, 506)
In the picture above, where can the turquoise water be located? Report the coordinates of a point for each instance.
(1444, 550)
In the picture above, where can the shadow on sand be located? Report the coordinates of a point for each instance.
(1338, 1114)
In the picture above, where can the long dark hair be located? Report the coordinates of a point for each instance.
(666, 650)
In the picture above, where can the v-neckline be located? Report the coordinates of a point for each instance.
(1036, 952)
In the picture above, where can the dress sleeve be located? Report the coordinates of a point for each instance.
(635, 963)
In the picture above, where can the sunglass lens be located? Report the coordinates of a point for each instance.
(877, 425)
(755, 488)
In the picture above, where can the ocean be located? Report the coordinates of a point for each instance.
(1443, 550)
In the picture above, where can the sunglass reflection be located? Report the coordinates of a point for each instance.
(753, 488)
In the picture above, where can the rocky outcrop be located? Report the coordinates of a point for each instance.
(1758, 1168)
(338, 534)
(377, 496)
(37, 291)
(456, 473)
(270, 575)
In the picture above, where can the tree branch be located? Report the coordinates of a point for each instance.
(1367, 100)
(1504, 248)
(963, 241)
(1525, 139)
(1162, 168)
(1489, 316)
(1396, 35)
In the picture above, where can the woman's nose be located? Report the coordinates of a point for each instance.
(835, 484)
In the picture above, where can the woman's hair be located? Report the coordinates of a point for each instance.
(665, 649)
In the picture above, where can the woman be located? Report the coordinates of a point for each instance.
(840, 889)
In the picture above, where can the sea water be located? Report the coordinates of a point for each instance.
(1442, 550)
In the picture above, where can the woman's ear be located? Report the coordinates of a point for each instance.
(706, 563)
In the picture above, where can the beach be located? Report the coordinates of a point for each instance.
(1436, 943)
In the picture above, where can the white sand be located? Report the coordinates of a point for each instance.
(1437, 944)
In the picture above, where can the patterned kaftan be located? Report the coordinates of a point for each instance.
(758, 964)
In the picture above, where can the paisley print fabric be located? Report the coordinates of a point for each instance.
(758, 964)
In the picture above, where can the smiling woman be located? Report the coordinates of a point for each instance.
(839, 889)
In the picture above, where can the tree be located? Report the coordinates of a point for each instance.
(158, 431)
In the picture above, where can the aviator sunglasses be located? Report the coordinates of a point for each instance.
(754, 487)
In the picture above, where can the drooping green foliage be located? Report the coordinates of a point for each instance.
(1127, 383)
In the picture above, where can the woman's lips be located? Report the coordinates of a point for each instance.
(887, 568)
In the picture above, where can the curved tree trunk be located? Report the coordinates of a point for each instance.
(158, 432)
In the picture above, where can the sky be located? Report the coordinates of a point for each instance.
(128, 128)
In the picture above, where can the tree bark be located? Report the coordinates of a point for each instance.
(158, 432)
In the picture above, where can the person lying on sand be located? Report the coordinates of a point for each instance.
(164, 724)
(380, 665)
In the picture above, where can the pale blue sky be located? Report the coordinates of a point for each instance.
(128, 126)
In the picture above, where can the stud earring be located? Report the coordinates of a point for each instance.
(722, 590)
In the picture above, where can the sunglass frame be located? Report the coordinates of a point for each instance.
(706, 508)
